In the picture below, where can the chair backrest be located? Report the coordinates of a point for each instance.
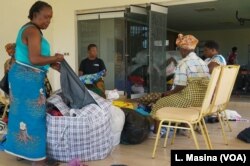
(224, 87)
(210, 90)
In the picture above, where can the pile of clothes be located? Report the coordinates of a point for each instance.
(84, 133)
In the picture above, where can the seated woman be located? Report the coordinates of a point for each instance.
(211, 51)
(190, 82)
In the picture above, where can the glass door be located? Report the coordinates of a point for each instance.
(132, 44)
(88, 29)
(137, 78)
(157, 47)
(107, 31)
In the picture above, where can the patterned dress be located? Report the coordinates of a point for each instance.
(193, 73)
(26, 136)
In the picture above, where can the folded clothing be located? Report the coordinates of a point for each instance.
(92, 78)
(123, 104)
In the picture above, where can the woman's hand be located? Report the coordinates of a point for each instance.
(56, 65)
(177, 89)
(166, 94)
(59, 57)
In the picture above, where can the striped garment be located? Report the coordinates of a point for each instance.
(190, 67)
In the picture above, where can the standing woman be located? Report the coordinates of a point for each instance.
(27, 122)
(232, 58)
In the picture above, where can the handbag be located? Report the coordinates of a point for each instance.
(4, 84)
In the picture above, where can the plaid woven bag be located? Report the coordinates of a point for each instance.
(87, 137)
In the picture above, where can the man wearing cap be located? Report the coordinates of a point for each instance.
(190, 81)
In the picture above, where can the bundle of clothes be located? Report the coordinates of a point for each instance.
(84, 133)
(79, 122)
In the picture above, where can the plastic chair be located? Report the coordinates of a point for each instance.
(222, 95)
(189, 116)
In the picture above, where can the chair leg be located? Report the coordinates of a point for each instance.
(227, 122)
(195, 126)
(157, 139)
(204, 136)
(194, 136)
(174, 135)
(206, 133)
(166, 138)
(222, 129)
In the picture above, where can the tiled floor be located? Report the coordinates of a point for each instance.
(140, 155)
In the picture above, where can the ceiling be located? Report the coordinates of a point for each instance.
(220, 14)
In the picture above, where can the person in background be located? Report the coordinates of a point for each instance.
(92, 65)
(10, 49)
(26, 137)
(190, 80)
(232, 57)
(211, 51)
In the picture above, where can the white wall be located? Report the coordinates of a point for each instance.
(227, 39)
(14, 14)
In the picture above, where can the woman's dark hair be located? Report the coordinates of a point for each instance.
(37, 7)
(212, 45)
(234, 49)
(91, 46)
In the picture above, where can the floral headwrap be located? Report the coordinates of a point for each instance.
(187, 42)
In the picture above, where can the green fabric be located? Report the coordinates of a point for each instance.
(95, 89)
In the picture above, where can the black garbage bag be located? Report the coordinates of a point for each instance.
(244, 135)
(136, 127)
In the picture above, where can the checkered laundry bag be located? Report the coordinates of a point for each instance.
(85, 137)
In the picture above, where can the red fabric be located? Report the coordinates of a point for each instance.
(136, 80)
(232, 59)
(55, 113)
(5, 119)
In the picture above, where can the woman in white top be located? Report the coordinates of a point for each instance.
(211, 51)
